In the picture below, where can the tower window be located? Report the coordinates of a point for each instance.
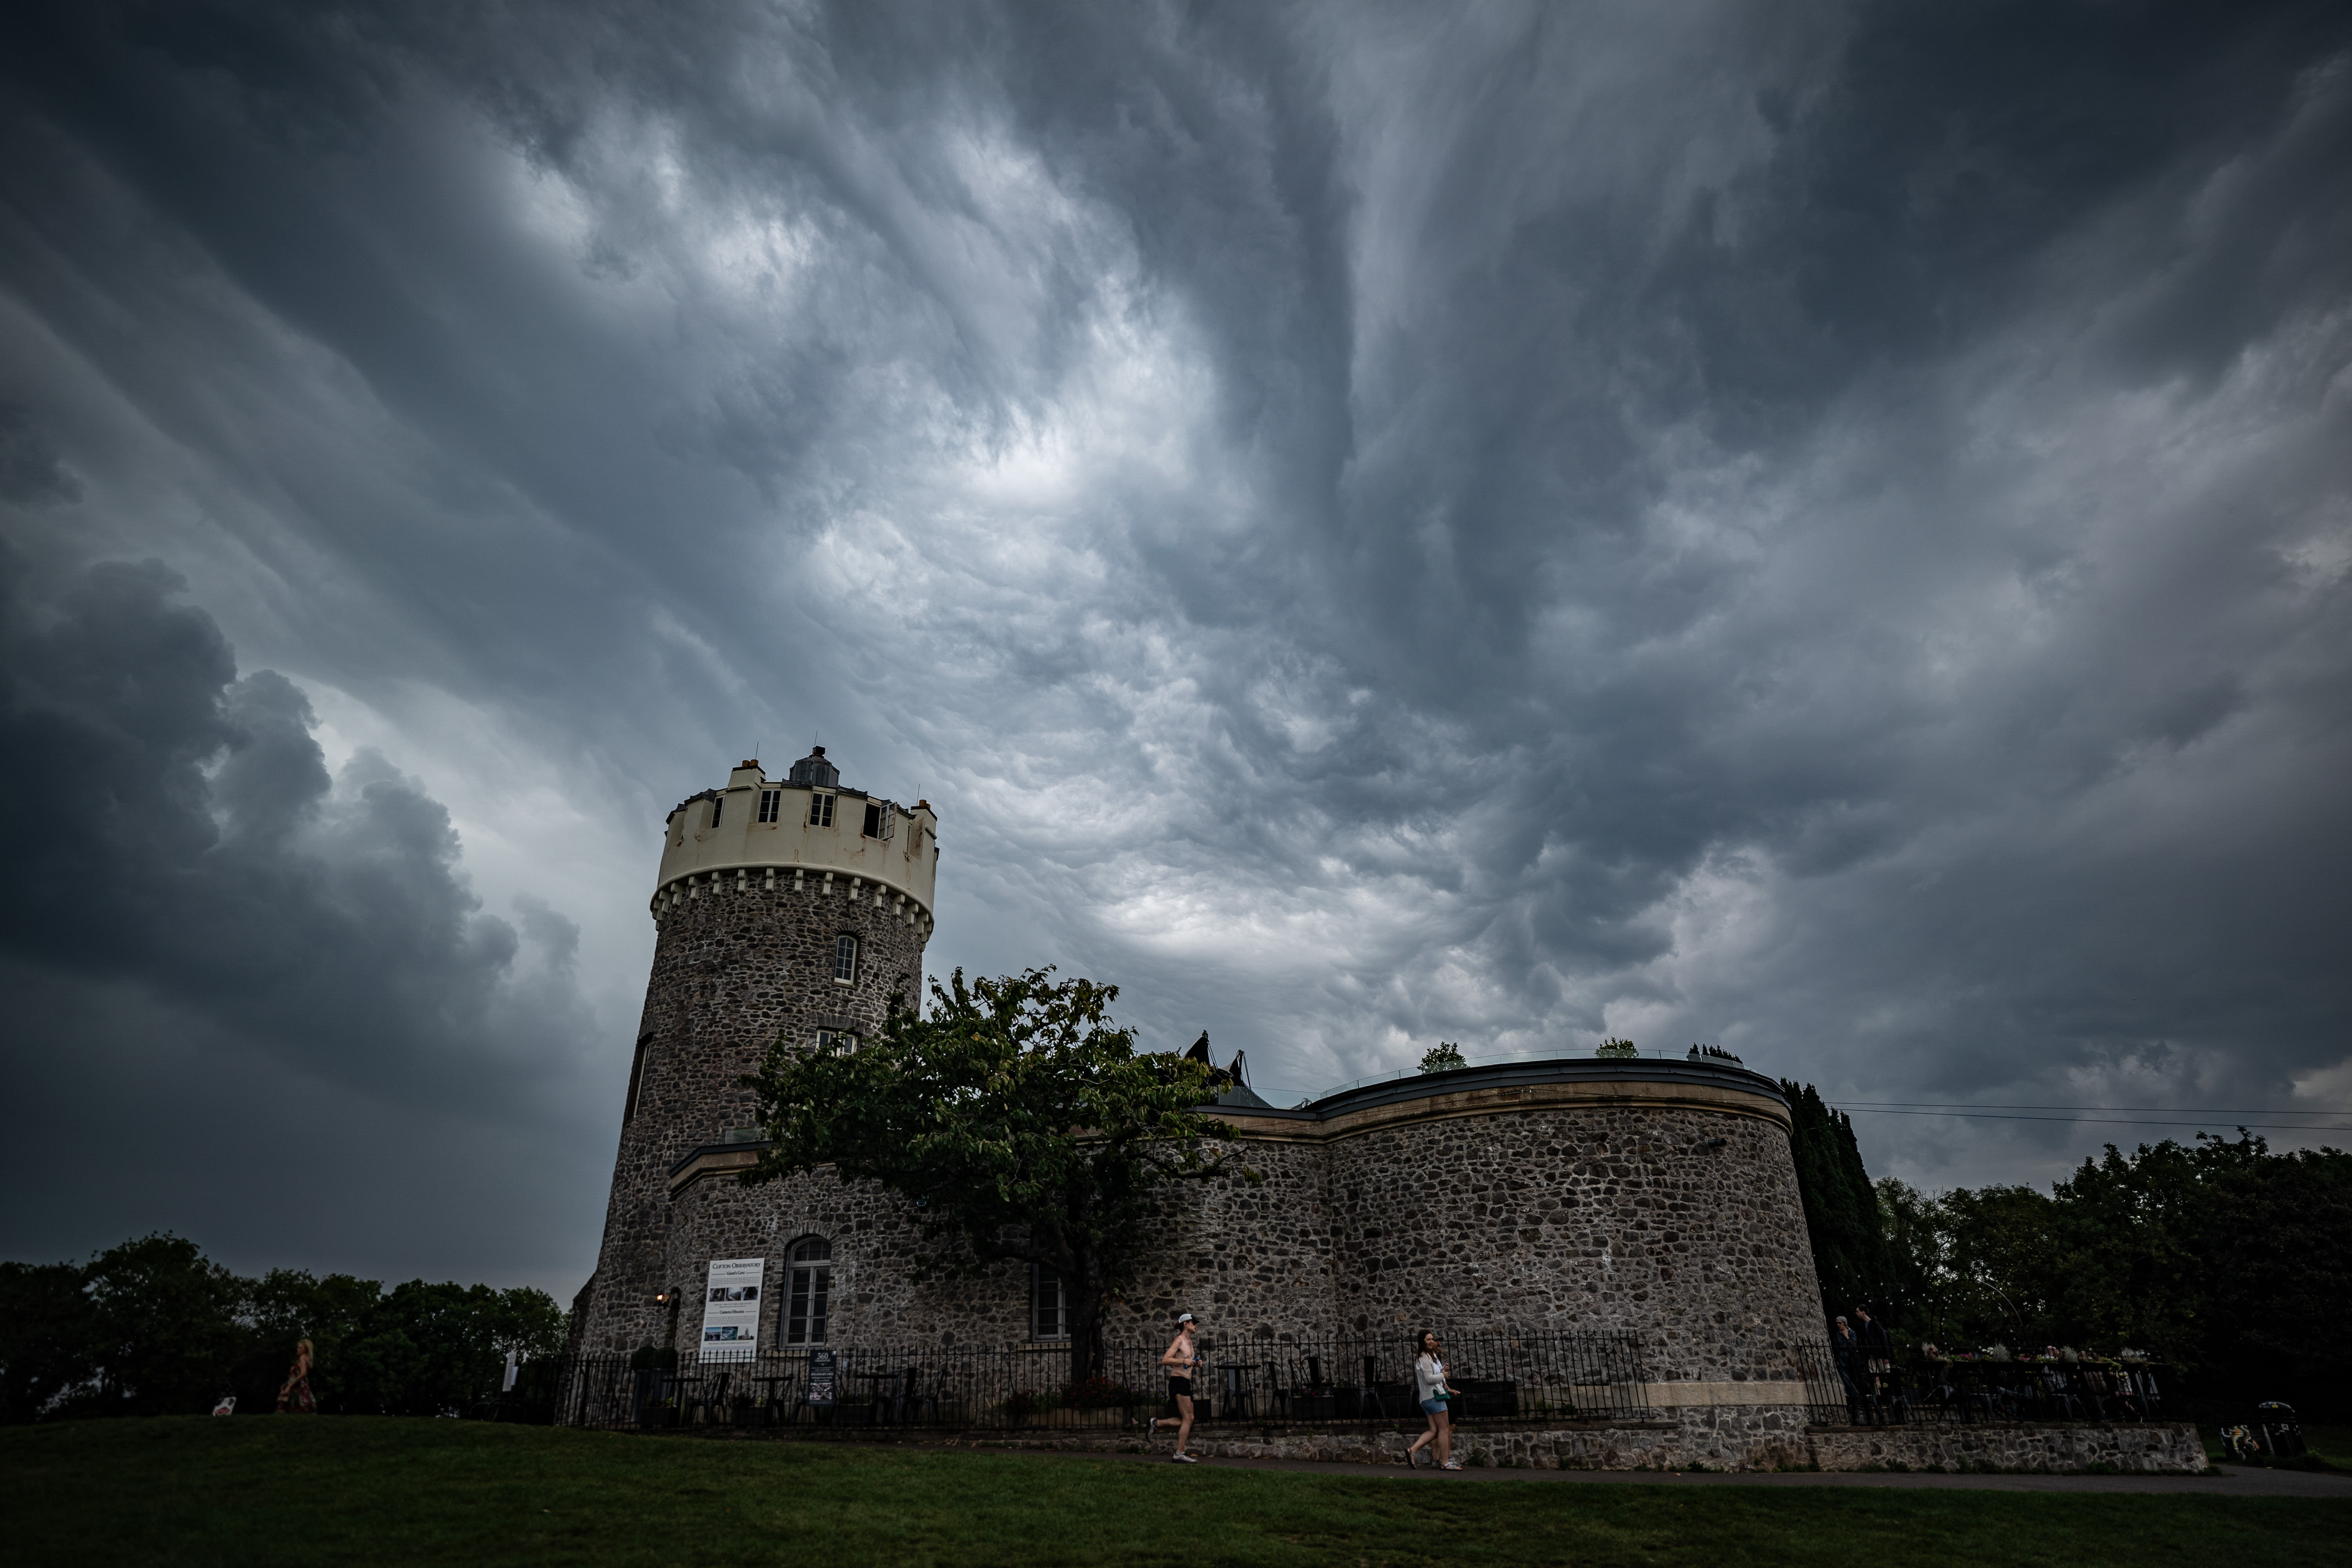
(836, 1040)
(844, 959)
(771, 803)
(808, 1270)
(1049, 1308)
(876, 819)
(636, 1079)
(718, 804)
(819, 810)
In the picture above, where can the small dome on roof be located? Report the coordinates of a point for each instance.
(813, 772)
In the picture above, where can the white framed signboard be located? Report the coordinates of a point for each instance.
(730, 1308)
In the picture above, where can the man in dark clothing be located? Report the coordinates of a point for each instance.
(1848, 1351)
(1877, 1353)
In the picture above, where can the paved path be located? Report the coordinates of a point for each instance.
(2231, 1482)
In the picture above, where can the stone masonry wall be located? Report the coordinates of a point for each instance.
(1582, 1220)
(1252, 1261)
(733, 964)
(1562, 1219)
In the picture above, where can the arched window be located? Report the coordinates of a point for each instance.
(808, 1272)
(844, 959)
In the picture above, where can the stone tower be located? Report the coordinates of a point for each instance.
(795, 905)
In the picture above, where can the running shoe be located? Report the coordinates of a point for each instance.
(1451, 1465)
(1183, 1460)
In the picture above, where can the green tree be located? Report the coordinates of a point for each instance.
(1021, 1123)
(2275, 1245)
(165, 1326)
(2006, 1256)
(1917, 1285)
(428, 1348)
(1444, 1056)
(1850, 1256)
(44, 1339)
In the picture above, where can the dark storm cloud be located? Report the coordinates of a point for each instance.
(1825, 528)
(176, 837)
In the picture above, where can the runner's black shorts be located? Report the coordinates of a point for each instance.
(1180, 1385)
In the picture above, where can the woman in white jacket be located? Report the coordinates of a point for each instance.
(1429, 1387)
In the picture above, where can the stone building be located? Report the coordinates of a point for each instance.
(796, 904)
(1651, 1195)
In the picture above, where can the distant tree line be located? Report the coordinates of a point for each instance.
(2233, 1262)
(152, 1327)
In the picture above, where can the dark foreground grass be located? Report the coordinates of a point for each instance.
(356, 1490)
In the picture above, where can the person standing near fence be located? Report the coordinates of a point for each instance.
(1877, 1353)
(1429, 1387)
(1180, 1357)
(1848, 1351)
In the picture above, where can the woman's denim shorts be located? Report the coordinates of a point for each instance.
(1433, 1408)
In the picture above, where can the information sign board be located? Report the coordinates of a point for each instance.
(821, 1377)
(730, 1308)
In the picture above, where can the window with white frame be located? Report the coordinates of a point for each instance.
(845, 960)
(836, 1040)
(1049, 1306)
(819, 810)
(808, 1274)
(771, 803)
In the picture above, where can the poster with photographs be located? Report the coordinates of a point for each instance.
(730, 1309)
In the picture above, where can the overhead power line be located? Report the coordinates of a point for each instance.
(2160, 1110)
(2095, 1121)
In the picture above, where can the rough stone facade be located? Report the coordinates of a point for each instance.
(735, 962)
(1680, 1224)
(1570, 1198)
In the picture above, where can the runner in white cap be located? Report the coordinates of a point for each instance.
(1183, 1356)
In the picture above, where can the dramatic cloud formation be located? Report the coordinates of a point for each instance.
(1826, 530)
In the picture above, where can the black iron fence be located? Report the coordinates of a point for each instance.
(1913, 1388)
(1523, 1377)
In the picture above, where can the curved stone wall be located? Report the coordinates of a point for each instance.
(1571, 1196)
(732, 966)
(1681, 1225)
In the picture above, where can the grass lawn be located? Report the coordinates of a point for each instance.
(360, 1491)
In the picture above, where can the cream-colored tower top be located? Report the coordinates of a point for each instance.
(804, 830)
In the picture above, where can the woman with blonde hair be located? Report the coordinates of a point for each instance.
(1429, 1387)
(294, 1395)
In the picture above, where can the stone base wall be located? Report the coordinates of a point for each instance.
(1752, 1440)
(2164, 1448)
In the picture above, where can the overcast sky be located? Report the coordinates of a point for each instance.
(1825, 531)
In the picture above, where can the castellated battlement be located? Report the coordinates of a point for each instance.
(807, 831)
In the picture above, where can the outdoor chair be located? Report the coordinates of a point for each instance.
(780, 1400)
(1236, 1396)
(709, 1399)
(2058, 1400)
(1277, 1394)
